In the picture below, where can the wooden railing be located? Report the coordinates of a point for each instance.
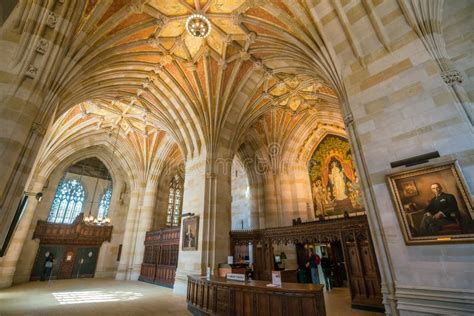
(77, 233)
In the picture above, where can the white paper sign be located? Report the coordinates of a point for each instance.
(236, 277)
(276, 278)
(230, 260)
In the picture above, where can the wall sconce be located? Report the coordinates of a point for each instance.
(38, 196)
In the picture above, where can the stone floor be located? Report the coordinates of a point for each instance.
(109, 297)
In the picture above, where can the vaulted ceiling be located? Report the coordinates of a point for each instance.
(132, 66)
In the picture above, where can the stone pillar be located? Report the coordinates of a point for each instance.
(207, 194)
(26, 71)
(139, 221)
(9, 261)
(124, 268)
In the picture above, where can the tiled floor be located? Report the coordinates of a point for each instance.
(338, 303)
(109, 297)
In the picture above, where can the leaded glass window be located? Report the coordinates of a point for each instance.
(173, 215)
(68, 202)
(104, 203)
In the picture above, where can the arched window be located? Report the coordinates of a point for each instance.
(68, 202)
(174, 202)
(104, 203)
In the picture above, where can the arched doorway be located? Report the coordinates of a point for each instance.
(77, 224)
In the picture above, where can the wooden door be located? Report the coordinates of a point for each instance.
(40, 260)
(263, 261)
(85, 263)
(362, 270)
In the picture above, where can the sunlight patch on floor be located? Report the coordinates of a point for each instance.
(84, 297)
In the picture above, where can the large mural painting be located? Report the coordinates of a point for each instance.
(334, 183)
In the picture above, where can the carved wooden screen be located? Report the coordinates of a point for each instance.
(161, 257)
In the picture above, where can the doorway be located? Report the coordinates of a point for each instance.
(69, 262)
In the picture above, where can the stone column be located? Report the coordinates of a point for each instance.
(9, 261)
(27, 69)
(125, 265)
(207, 194)
(139, 221)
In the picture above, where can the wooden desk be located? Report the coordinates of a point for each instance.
(217, 296)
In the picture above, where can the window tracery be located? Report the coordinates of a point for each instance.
(68, 202)
(104, 203)
(174, 202)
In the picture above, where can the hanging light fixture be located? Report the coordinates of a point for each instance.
(198, 25)
(90, 219)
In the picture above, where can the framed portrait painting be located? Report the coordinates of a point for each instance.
(433, 204)
(190, 233)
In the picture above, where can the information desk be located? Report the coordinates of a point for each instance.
(217, 296)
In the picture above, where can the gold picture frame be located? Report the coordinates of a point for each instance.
(190, 233)
(441, 210)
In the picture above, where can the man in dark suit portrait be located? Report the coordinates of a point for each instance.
(442, 210)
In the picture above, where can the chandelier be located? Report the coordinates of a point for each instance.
(96, 221)
(198, 25)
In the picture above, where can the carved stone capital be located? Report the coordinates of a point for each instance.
(244, 55)
(160, 21)
(42, 46)
(31, 71)
(153, 42)
(451, 77)
(348, 119)
(222, 64)
(166, 59)
(52, 20)
(210, 175)
(258, 65)
(237, 19)
(251, 37)
(38, 129)
(191, 66)
(137, 6)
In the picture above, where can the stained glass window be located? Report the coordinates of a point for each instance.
(68, 202)
(173, 215)
(104, 203)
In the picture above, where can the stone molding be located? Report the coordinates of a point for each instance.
(31, 71)
(452, 77)
(438, 301)
(38, 129)
(42, 46)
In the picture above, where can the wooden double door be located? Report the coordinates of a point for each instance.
(70, 262)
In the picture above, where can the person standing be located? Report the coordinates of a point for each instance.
(313, 262)
(48, 267)
(326, 266)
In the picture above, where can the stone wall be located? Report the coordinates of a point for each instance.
(402, 108)
(106, 263)
(240, 198)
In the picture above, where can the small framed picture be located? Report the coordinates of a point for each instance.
(433, 204)
(409, 188)
(190, 233)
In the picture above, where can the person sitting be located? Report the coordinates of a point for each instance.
(440, 212)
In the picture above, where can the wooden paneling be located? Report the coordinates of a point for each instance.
(75, 241)
(77, 233)
(352, 233)
(253, 298)
(161, 257)
(362, 269)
